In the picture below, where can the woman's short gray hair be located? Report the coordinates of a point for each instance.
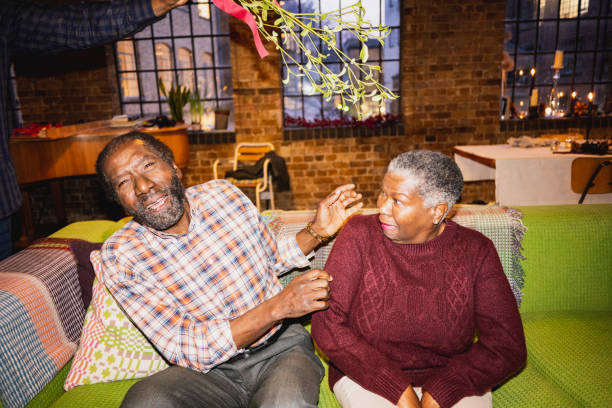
(438, 177)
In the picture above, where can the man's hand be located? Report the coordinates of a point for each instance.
(428, 401)
(161, 7)
(306, 293)
(335, 209)
(409, 399)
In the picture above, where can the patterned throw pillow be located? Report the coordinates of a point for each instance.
(111, 347)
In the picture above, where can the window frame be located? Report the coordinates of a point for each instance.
(378, 61)
(571, 55)
(192, 8)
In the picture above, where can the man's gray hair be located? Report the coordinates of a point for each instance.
(437, 176)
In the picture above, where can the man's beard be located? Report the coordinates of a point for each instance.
(161, 221)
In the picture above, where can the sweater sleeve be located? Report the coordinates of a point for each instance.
(500, 350)
(332, 330)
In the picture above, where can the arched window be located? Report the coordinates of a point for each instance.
(128, 80)
(164, 63)
(206, 76)
(185, 65)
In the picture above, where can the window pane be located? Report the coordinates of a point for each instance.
(392, 43)
(391, 17)
(148, 83)
(144, 48)
(603, 67)
(293, 106)
(201, 25)
(222, 51)
(150, 109)
(224, 82)
(390, 72)
(330, 108)
(584, 67)
(312, 107)
(220, 21)
(206, 83)
(526, 37)
(543, 70)
(180, 21)
(549, 8)
(144, 33)
(546, 36)
(528, 9)
(511, 9)
(586, 38)
(162, 28)
(602, 93)
(605, 34)
(132, 109)
(203, 52)
(567, 35)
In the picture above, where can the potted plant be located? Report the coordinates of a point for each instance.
(177, 98)
(195, 109)
(221, 118)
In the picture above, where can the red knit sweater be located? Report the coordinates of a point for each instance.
(404, 315)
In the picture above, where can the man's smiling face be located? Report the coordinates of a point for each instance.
(148, 188)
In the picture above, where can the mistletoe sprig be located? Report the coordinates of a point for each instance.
(307, 30)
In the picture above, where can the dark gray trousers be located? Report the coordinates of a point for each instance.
(285, 374)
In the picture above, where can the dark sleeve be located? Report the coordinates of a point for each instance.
(500, 350)
(44, 28)
(332, 329)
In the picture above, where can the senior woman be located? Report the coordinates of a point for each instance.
(411, 292)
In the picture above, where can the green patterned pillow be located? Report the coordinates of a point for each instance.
(111, 347)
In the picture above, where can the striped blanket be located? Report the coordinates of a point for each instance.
(41, 319)
(501, 225)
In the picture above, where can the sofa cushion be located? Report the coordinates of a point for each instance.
(572, 349)
(531, 389)
(40, 320)
(111, 347)
(567, 257)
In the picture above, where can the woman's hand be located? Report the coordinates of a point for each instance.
(335, 209)
(409, 399)
(428, 401)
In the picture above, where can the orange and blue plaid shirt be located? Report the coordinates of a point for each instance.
(183, 290)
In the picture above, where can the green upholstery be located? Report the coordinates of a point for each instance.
(531, 389)
(566, 310)
(103, 395)
(568, 257)
(574, 351)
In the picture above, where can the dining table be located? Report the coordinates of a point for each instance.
(526, 175)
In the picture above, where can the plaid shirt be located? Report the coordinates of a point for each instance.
(183, 290)
(36, 28)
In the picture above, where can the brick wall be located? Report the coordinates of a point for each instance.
(450, 79)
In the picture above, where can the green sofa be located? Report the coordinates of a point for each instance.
(566, 311)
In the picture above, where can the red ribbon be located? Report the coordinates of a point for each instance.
(236, 10)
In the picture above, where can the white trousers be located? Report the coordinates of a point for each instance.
(352, 395)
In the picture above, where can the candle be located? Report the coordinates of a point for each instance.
(558, 60)
(534, 98)
(590, 96)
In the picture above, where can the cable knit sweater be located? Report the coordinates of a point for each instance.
(404, 315)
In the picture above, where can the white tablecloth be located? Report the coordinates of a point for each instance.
(525, 176)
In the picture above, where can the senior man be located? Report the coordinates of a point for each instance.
(196, 270)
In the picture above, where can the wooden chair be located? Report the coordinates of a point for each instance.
(591, 175)
(247, 154)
